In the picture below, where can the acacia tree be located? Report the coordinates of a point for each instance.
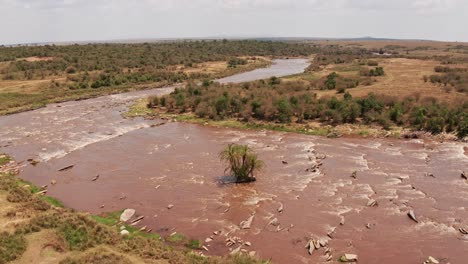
(241, 162)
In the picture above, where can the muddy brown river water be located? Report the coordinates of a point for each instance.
(177, 163)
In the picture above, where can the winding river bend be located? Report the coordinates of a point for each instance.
(147, 166)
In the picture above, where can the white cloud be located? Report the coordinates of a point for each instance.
(53, 20)
(243, 4)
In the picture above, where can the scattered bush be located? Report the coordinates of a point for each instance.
(12, 246)
(378, 71)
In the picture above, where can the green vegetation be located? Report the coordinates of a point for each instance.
(121, 63)
(138, 109)
(378, 71)
(33, 76)
(11, 246)
(176, 238)
(241, 161)
(295, 102)
(109, 219)
(53, 201)
(194, 244)
(337, 54)
(456, 78)
(4, 159)
(233, 63)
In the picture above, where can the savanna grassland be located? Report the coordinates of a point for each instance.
(32, 76)
(378, 87)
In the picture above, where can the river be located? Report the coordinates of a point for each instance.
(147, 166)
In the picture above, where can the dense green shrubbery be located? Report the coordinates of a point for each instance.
(112, 65)
(286, 102)
(149, 57)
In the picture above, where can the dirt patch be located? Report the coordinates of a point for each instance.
(43, 247)
(36, 58)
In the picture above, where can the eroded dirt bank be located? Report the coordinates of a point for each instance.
(148, 167)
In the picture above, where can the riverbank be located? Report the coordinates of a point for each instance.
(36, 228)
(16, 96)
(140, 109)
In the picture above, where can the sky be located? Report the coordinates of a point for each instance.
(30, 21)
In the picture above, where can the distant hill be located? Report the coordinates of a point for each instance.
(154, 40)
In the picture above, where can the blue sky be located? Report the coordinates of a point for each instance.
(25, 21)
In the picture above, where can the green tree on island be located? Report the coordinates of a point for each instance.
(241, 162)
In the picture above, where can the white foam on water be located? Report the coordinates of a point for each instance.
(417, 155)
(392, 182)
(251, 142)
(302, 156)
(416, 141)
(380, 173)
(305, 146)
(388, 194)
(393, 151)
(392, 210)
(454, 152)
(340, 210)
(197, 179)
(362, 191)
(45, 156)
(374, 145)
(257, 198)
(352, 145)
(87, 139)
(435, 227)
(413, 194)
(360, 161)
(400, 176)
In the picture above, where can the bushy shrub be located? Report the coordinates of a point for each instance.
(293, 102)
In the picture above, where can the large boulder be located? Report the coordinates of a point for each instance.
(127, 215)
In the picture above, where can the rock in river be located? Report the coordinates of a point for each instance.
(127, 214)
(412, 216)
(432, 260)
(247, 223)
(349, 258)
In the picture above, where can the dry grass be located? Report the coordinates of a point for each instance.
(403, 77)
(372, 44)
(24, 86)
(207, 67)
